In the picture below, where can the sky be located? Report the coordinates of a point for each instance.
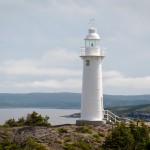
(40, 39)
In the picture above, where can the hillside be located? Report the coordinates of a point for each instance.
(65, 100)
(139, 111)
(130, 109)
(57, 137)
(51, 100)
(73, 137)
(34, 132)
(125, 100)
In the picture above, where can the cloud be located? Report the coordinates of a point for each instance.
(52, 64)
(16, 68)
(51, 84)
(118, 80)
(111, 74)
(54, 70)
(114, 82)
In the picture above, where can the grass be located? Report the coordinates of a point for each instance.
(62, 130)
(78, 145)
(85, 129)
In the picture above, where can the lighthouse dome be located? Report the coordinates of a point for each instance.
(92, 35)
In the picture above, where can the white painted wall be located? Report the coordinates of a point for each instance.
(92, 94)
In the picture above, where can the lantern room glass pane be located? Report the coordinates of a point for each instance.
(89, 43)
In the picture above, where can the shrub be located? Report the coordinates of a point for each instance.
(36, 120)
(84, 129)
(11, 123)
(21, 121)
(140, 135)
(6, 143)
(128, 137)
(101, 134)
(32, 119)
(62, 130)
(30, 144)
(78, 145)
(97, 137)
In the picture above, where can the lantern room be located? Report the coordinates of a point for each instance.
(92, 39)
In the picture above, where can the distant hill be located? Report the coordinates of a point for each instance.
(130, 109)
(51, 100)
(128, 100)
(65, 100)
(141, 112)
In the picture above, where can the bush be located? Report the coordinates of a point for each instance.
(140, 134)
(36, 120)
(30, 144)
(128, 138)
(21, 121)
(84, 129)
(62, 130)
(78, 145)
(6, 143)
(32, 119)
(11, 123)
(97, 138)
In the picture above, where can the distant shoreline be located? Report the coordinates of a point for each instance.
(38, 108)
(65, 100)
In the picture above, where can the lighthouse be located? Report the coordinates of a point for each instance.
(92, 91)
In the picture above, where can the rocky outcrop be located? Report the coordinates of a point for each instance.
(58, 137)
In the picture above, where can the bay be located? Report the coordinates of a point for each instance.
(56, 115)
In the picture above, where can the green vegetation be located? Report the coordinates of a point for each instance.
(121, 136)
(145, 108)
(62, 130)
(128, 137)
(28, 144)
(81, 145)
(32, 144)
(85, 129)
(130, 109)
(33, 119)
(96, 138)
(9, 143)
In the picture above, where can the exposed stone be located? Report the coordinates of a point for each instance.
(51, 137)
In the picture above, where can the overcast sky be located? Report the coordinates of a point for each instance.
(39, 42)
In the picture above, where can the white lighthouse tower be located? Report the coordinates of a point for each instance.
(92, 91)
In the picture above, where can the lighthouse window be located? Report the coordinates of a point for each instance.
(87, 62)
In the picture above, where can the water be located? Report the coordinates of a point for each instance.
(54, 114)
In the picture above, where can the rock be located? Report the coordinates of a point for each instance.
(50, 136)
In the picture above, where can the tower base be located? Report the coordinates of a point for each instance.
(87, 122)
